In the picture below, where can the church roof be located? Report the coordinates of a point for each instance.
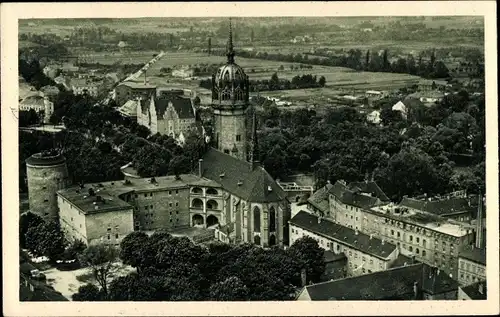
(237, 177)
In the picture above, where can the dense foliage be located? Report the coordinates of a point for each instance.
(173, 268)
(357, 60)
(407, 157)
(276, 83)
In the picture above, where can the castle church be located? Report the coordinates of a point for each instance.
(231, 193)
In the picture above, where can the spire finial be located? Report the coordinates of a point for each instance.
(230, 49)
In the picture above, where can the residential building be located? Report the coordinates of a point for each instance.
(62, 80)
(82, 86)
(455, 205)
(169, 115)
(412, 282)
(400, 106)
(42, 105)
(364, 253)
(129, 90)
(94, 216)
(431, 238)
(476, 291)
(374, 117)
(50, 92)
(430, 85)
(471, 265)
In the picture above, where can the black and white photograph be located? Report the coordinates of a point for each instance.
(227, 157)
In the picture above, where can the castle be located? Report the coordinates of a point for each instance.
(230, 191)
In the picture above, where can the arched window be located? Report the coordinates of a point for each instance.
(212, 191)
(272, 240)
(256, 219)
(256, 240)
(272, 220)
(212, 204)
(197, 203)
(197, 190)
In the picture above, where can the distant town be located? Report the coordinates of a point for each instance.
(252, 159)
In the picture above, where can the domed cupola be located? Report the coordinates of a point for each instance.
(230, 85)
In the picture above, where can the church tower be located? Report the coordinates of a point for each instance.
(230, 100)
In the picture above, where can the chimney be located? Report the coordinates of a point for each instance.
(328, 182)
(356, 232)
(481, 288)
(479, 224)
(415, 290)
(319, 219)
(303, 277)
(371, 236)
(200, 167)
(383, 241)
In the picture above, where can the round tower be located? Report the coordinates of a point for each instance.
(230, 99)
(47, 173)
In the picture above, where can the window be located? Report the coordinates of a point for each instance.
(363, 259)
(145, 195)
(176, 191)
(364, 271)
(45, 200)
(411, 238)
(109, 229)
(109, 236)
(170, 204)
(116, 235)
(71, 218)
(170, 220)
(392, 232)
(293, 231)
(424, 242)
(338, 247)
(350, 253)
(146, 207)
(423, 253)
(150, 194)
(238, 137)
(151, 206)
(170, 192)
(399, 234)
(411, 248)
(355, 255)
(418, 251)
(177, 204)
(226, 151)
(418, 240)
(371, 261)
(177, 212)
(170, 213)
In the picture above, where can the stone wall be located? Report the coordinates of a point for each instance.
(229, 125)
(43, 184)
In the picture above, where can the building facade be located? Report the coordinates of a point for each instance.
(365, 254)
(429, 238)
(230, 100)
(131, 90)
(46, 174)
(471, 265)
(42, 105)
(168, 115)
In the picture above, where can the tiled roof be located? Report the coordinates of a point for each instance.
(397, 283)
(473, 290)
(183, 107)
(403, 260)
(439, 207)
(239, 179)
(352, 194)
(33, 100)
(320, 198)
(472, 253)
(344, 235)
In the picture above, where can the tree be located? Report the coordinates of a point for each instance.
(310, 256)
(100, 259)
(88, 293)
(26, 221)
(367, 60)
(46, 239)
(322, 81)
(231, 289)
(131, 248)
